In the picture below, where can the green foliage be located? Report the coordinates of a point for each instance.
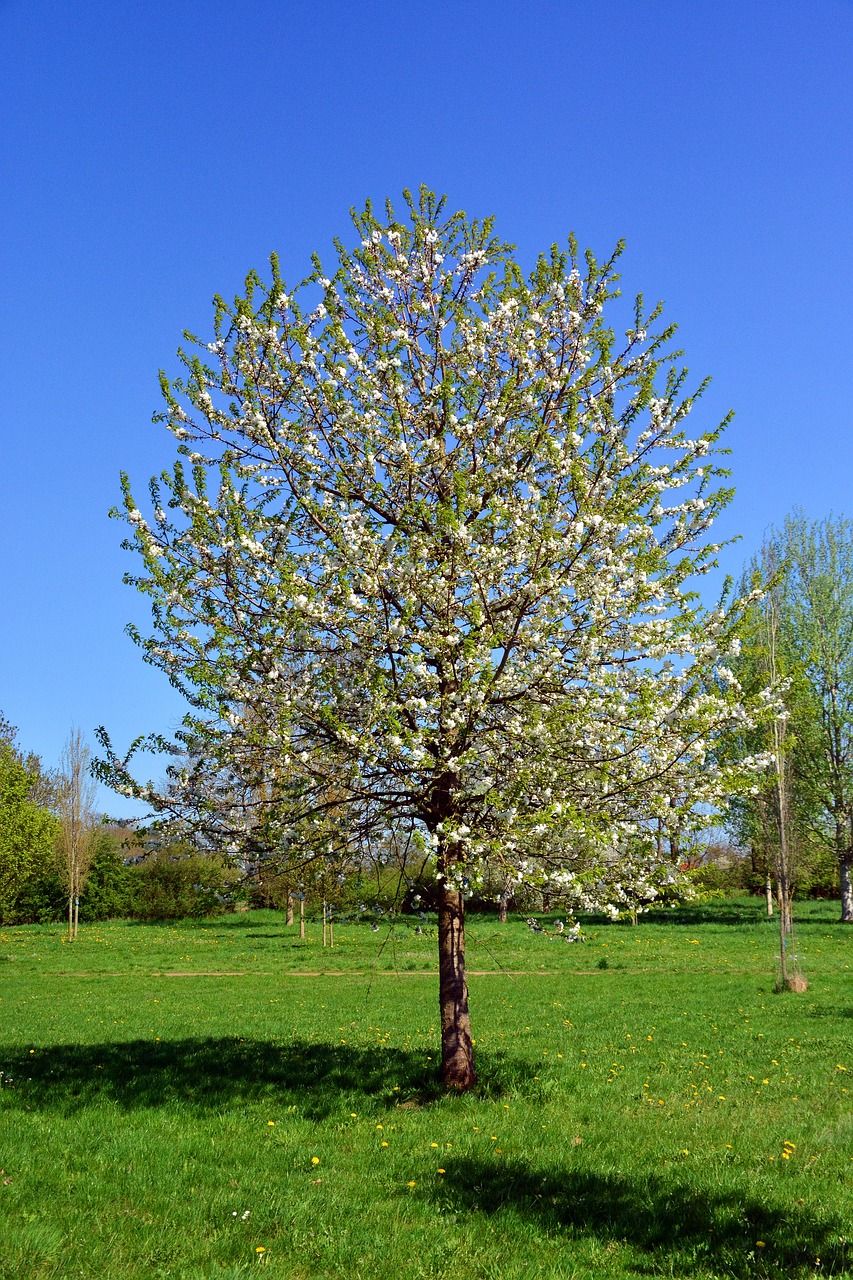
(176, 885)
(806, 568)
(113, 886)
(111, 892)
(817, 875)
(27, 833)
(42, 899)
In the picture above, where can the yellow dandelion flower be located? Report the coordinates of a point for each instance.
(441, 1170)
(315, 1159)
(411, 1184)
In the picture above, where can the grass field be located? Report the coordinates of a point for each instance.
(202, 1099)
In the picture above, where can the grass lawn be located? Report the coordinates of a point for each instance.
(201, 1099)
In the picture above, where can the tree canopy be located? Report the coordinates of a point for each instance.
(807, 570)
(27, 829)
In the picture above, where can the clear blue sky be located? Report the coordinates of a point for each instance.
(151, 153)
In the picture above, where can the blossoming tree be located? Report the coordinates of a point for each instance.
(429, 567)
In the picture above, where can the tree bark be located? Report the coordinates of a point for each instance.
(457, 1052)
(844, 867)
(502, 908)
(768, 893)
(289, 916)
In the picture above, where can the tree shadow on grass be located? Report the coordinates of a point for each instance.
(695, 914)
(676, 1229)
(213, 1072)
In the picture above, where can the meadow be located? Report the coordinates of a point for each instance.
(200, 1099)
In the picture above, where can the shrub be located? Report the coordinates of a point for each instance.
(174, 885)
(113, 885)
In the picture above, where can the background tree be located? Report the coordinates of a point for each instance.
(770, 821)
(446, 564)
(809, 566)
(27, 828)
(819, 597)
(78, 821)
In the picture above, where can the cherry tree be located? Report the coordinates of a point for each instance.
(426, 562)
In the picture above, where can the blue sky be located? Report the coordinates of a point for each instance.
(151, 154)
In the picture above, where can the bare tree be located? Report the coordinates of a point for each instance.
(78, 821)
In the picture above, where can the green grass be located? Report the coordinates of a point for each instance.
(631, 1119)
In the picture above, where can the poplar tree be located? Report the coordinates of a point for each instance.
(78, 822)
(427, 560)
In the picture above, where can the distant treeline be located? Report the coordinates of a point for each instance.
(130, 880)
(724, 870)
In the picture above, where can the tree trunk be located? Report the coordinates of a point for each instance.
(324, 924)
(302, 917)
(457, 1053)
(70, 916)
(76, 914)
(844, 867)
(502, 910)
(289, 916)
(768, 893)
